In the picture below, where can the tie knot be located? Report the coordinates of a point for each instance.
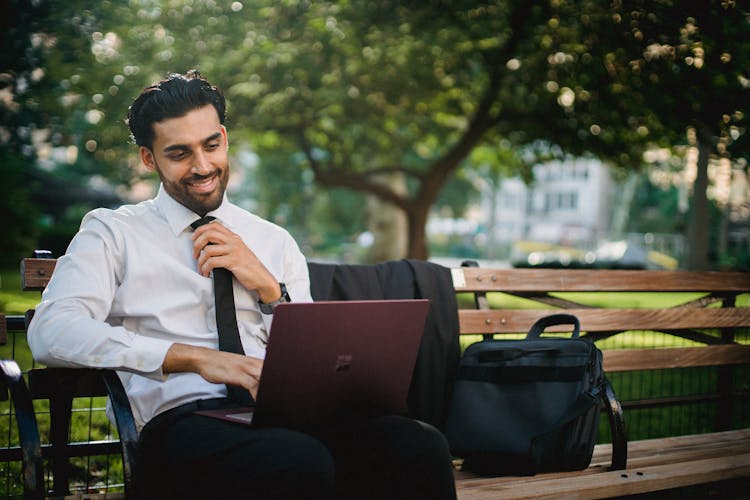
(202, 221)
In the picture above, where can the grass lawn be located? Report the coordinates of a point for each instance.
(12, 299)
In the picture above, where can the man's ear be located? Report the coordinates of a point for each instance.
(147, 157)
(226, 137)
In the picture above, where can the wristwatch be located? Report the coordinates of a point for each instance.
(268, 308)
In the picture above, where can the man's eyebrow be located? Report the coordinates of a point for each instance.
(212, 137)
(183, 147)
(175, 147)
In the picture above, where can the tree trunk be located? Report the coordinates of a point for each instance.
(417, 219)
(495, 183)
(621, 215)
(697, 230)
(388, 224)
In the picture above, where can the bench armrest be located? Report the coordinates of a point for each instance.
(28, 430)
(60, 386)
(126, 428)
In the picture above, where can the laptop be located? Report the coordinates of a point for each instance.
(328, 362)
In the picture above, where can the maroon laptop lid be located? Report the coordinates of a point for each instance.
(333, 361)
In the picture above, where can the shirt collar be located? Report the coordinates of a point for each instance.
(179, 217)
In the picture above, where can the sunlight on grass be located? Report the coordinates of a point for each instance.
(645, 339)
(12, 299)
(611, 300)
(621, 300)
(628, 300)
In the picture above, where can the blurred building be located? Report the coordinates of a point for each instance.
(569, 203)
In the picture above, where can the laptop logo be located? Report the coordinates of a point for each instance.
(343, 362)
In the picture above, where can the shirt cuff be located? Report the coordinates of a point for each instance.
(147, 357)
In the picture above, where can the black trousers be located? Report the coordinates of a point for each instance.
(184, 455)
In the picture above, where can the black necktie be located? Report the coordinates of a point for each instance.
(226, 318)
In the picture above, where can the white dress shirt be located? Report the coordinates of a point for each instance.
(128, 288)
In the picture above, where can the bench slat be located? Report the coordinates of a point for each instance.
(35, 273)
(642, 453)
(617, 483)
(617, 360)
(660, 451)
(473, 321)
(475, 279)
(654, 464)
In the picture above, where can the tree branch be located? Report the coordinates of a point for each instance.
(362, 182)
(482, 119)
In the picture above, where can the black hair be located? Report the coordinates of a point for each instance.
(172, 97)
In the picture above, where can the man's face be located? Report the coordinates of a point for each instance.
(190, 155)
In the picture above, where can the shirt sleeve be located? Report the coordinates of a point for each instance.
(69, 328)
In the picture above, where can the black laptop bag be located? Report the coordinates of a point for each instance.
(532, 405)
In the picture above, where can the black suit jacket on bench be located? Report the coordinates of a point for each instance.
(439, 351)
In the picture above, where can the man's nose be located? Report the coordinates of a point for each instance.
(200, 165)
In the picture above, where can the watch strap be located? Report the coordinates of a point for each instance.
(267, 308)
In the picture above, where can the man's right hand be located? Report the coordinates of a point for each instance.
(217, 367)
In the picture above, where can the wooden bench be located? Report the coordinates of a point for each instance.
(653, 464)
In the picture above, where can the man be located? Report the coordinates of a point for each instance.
(134, 293)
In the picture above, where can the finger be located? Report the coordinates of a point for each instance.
(215, 250)
(213, 228)
(206, 263)
(212, 242)
(202, 240)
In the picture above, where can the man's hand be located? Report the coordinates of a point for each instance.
(216, 246)
(217, 367)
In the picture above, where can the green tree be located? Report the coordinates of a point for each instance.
(365, 89)
(686, 67)
(357, 91)
(20, 75)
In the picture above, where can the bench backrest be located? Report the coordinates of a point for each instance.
(713, 308)
(540, 285)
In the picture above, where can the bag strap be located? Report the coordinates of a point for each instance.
(616, 426)
(616, 421)
(553, 319)
(581, 405)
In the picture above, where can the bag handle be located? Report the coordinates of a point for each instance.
(553, 319)
(616, 426)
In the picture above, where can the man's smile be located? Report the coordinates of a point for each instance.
(203, 184)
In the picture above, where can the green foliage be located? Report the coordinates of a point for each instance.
(354, 90)
(658, 209)
(18, 215)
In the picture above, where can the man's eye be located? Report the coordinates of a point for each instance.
(177, 156)
(212, 146)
